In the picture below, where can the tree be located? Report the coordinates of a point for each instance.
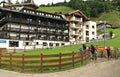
(9, 1)
(28, 1)
(52, 4)
(48, 4)
(65, 1)
(32, 1)
(17, 2)
(93, 8)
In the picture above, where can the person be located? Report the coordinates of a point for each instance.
(80, 49)
(84, 47)
(94, 57)
(108, 52)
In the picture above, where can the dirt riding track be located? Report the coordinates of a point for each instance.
(101, 68)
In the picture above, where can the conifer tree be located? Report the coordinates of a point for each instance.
(17, 2)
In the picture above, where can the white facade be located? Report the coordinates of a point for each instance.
(89, 31)
(23, 45)
(75, 29)
(32, 45)
(81, 29)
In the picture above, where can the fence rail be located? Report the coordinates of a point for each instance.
(42, 61)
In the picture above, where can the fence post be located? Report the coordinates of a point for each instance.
(41, 63)
(73, 54)
(82, 58)
(85, 55)
(60, 55)
(23, 62)
(10, 61)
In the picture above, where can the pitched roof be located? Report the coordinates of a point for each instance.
(32, 5)
(78, 13)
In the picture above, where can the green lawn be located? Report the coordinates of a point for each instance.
(111, 43)
(54, 9)
(115, 31)
(64, 49)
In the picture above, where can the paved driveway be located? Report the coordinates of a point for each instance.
(93, 69)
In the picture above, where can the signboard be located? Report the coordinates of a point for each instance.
(2, 41)
(101, 48)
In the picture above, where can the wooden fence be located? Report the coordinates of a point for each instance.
(3, 50)
(43, 61)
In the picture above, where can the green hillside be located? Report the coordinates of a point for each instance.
(111, 17)
(53, 9)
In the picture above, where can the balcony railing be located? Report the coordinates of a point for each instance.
(32, 22)
(74, 33)
(74, 26)
(11, 28)
(76, 19)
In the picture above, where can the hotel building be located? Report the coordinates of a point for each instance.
(24, 28)
(81, 29)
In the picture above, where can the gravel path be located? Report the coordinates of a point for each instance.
(101, 68)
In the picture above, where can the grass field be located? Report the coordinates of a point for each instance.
(115, 31)
(54, 9)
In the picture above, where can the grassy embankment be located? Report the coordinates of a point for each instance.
(54, 9)
(111, 17)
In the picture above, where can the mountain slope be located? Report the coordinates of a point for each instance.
(111, 17)
(53, 9)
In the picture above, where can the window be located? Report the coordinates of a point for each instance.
(62, 44)
(93, 33)
(87, 32)
(37, 43)
(57, 44)
(44, 43)
(13, 44)
(27, 43)
(93, 26)
(87, 39)
(87, 27)
(51, 44)
(39, 21)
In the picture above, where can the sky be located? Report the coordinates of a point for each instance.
(39, 2)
